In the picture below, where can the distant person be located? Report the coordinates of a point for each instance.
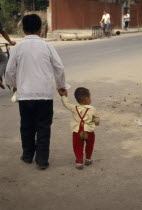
(83, 123)
(105, 21)
(32, 65)
(3, 58)
(126, 21)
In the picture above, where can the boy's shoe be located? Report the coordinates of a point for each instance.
(26, 160)
(88, 162)
(79, 166)
(43, 167)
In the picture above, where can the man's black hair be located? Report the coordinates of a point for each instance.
(31, 23)
(81, 93)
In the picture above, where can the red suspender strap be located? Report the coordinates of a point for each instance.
(82, 121)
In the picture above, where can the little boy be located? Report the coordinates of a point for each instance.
(83, 123)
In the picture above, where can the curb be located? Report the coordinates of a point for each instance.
(81, 35)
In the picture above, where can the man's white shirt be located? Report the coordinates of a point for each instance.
(127, 17)
(32, 65)
(106, 18)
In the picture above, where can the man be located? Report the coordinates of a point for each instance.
(105, 21)
(126, 20)
(3, 58)
(30, 69)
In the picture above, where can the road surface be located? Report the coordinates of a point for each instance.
(111, 69)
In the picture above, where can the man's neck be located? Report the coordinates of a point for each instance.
(36, 33)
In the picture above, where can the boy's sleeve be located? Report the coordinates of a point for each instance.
(11, 69)
(66, 104)
(96, 118)
(58, 68)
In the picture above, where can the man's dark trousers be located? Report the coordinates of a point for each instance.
(36, 120)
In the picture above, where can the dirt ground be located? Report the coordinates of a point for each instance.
(113, 182)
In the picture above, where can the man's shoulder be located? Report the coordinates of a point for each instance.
(48, 44)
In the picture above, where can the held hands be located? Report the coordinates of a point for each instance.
(63, 92)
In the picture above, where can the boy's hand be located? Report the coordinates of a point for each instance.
(62, 92)
(97, 121)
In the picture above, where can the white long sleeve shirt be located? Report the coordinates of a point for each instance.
(127, 17)
(32, 65)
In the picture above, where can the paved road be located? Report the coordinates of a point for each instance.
(93, 55)
(88, 57)
(111, 69)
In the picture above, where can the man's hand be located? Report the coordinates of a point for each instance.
(5, 35)
(12, 42)
(63, 92)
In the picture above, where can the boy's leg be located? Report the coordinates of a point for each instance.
(78, 146)
(27, 129)
(44, 115)
(90, 145)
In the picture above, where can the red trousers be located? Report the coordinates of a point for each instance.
(78, 146)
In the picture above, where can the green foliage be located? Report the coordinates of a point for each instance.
(36, 4)
(7, 14)
(10, 9)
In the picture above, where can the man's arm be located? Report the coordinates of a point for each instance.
(102, 20)
(108, 18)
(11, 69)
(58, 68)
(5, 35)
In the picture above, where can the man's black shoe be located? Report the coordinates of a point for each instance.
(43, 167)
(26, 160)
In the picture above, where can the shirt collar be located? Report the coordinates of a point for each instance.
(86, 106)
(32, 37)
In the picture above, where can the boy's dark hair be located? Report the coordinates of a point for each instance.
(31, 23)
(81, 93)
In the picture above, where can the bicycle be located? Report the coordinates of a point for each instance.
(108, 30)
(100, 31)
(7, 46)
(97, 32)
